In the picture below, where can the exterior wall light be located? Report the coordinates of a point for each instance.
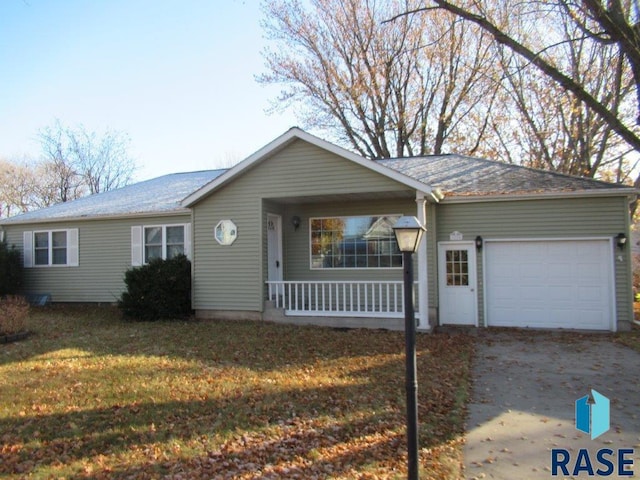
(621, 240)
(479, 242)
(408, 232)
(295, 221)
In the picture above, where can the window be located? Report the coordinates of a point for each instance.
(163, 241)
(354, 242)
(51, 248)
(152, 243)
(457, 268)
(175, 241)
(41, 248)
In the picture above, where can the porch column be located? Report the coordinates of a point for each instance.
(423, 284)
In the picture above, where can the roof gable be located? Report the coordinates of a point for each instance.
(285, 140)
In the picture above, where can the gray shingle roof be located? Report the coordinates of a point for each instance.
(455, 175)
(158, 195)
(458, 175)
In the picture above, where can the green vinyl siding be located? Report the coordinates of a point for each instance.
(104, 256)
(232, 277)
(544, 219)
(528, 218)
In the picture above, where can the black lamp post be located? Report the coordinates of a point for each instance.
(408, 231)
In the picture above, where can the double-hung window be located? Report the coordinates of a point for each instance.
(152, 243)
(159, 241)
(164, 242)
(354, 242)
(51, 248)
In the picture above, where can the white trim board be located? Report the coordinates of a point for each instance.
(511, 197)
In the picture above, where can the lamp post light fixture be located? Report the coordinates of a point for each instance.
(408, 232)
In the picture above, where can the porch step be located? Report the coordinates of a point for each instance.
(273, 314)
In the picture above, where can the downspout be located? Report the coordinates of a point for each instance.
(423, 284)
(629, 265)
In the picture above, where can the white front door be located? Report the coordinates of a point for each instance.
(274, 248)
(457, 283)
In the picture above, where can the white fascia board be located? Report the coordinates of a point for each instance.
(621, 192)
(297, 134)
(87, 218)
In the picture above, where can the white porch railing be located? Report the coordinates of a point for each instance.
(340, 298)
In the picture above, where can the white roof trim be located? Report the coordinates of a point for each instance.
(510, 197)
(285, 139)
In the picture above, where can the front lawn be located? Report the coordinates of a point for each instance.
(90, 396)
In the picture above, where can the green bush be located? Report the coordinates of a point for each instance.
(10, 270)
(158, 290)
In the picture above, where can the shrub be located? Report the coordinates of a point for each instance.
(14, 311)
(160, 289)
(10, 270)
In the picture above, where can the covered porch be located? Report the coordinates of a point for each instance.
(319, 270)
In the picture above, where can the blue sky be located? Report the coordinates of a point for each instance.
(177, 76)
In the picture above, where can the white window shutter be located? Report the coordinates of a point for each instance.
(27, 247)
(1, 235)
(73, 252)
(187, 240)
(136, 246)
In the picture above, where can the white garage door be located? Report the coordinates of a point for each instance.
(549, 284)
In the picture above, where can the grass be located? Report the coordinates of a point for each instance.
(90, 396)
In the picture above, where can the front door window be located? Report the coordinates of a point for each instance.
(457, 264)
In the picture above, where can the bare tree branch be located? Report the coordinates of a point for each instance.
(373, 84)
(608, 21)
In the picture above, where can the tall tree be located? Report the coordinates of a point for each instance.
(376, 86)
(17, 188)
(74, 163)
(102, 161)
(64, 179)
(611, 23)
(81, 162)
(556, 130)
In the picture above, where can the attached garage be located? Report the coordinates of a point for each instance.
(550, 284)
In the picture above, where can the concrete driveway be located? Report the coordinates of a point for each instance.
(523, 403)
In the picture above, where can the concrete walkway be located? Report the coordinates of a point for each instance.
(523, 402)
